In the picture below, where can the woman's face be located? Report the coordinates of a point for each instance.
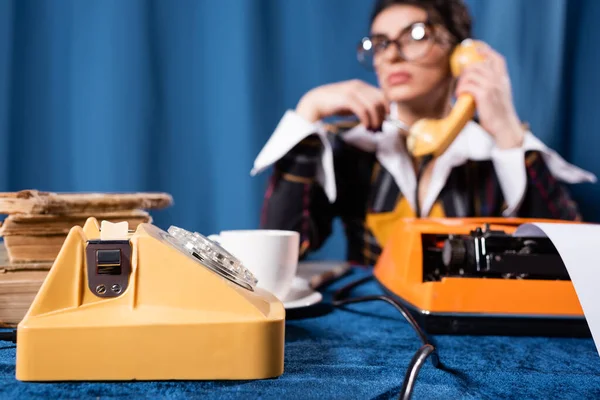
(403, 80)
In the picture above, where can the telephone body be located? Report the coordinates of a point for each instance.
(149, 305)
(431, 137)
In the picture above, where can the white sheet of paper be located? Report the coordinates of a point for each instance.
(578, 246)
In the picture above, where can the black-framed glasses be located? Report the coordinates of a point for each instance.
(413, 43)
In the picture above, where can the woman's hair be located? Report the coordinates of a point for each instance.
(452, 14)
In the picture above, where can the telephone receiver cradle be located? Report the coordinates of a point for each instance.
(433, 136)
(158, 315)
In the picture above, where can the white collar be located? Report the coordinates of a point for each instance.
(472, 143)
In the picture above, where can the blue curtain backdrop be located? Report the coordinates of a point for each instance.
(179, 96)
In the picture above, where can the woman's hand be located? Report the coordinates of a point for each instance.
(488, 82)
(345, 98)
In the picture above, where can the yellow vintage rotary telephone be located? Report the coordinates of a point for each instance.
(431, 136)
(149, 305)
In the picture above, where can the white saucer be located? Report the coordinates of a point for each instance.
(301, 295)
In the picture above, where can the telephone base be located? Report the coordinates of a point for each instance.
(55, 350)
(173, 320)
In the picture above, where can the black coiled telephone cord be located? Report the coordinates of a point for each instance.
(426, 350)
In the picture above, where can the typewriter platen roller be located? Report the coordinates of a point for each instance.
(473, 276)
(491, 253)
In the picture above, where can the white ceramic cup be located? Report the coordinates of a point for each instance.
(271, 255)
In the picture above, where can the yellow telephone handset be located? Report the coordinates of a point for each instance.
(433, 136)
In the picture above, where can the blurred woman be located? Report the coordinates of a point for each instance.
(364, 174)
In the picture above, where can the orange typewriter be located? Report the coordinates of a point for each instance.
(472, 276)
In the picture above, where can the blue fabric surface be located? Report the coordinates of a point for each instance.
(362, 352)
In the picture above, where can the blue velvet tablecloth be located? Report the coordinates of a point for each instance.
(361, 352)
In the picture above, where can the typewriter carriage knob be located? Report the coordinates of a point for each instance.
(454, 252)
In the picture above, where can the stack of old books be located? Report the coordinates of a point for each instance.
(36, 227)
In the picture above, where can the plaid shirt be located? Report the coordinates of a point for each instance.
(294, 201)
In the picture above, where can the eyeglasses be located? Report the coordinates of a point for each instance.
(413, 43)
